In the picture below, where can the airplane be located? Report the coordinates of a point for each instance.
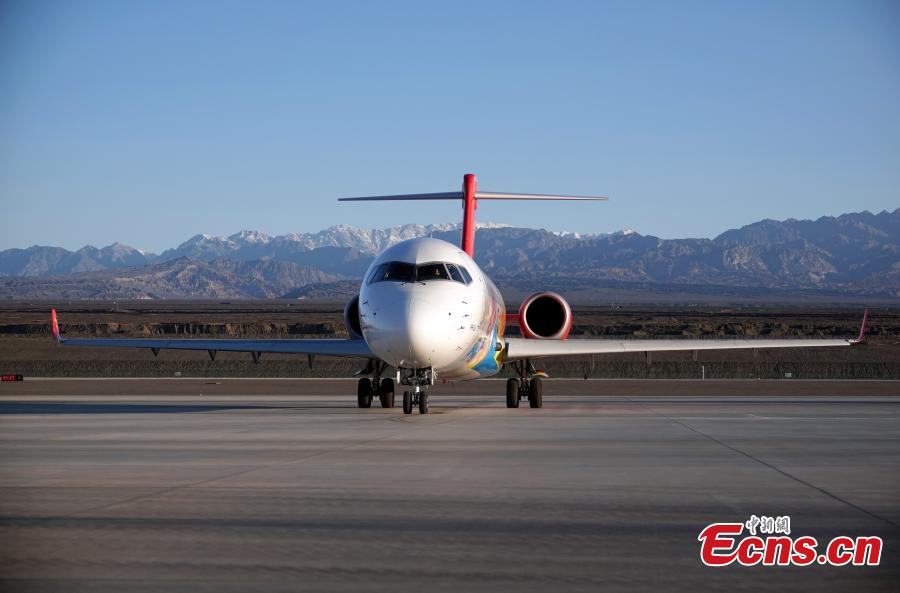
(427, 309)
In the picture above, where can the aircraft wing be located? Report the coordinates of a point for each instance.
(518, 348)
(325, 347)
(351, 348)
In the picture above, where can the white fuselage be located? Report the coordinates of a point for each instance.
(448, 316)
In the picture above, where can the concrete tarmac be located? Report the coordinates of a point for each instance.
(146, 485)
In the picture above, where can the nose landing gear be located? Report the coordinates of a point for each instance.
(412, 399)
(418, 379)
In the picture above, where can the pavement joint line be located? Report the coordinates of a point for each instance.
(227, 476)
(776, 468)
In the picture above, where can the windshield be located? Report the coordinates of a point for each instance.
(396, 271)
(431, 272)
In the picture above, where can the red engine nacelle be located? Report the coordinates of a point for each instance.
(545, 316)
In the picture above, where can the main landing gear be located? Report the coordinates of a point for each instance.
(530, 389)
(366, 390)
(525, 387)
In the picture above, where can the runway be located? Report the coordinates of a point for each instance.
(147, 485)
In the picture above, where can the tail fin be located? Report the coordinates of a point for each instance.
(470, 196)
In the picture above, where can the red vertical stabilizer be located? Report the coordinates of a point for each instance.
(469, 205)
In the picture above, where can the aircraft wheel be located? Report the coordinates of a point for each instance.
(536, 393)
(386, 393)
(512, 393)
(407, 402)
(423, 402)
(364, 393)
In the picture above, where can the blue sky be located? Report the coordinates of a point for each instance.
(149, 122)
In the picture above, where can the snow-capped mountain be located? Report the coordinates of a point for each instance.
(856, 252)
(250, 238)
(249, 245)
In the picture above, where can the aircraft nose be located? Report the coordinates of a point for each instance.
(426, 331)
(419, 325)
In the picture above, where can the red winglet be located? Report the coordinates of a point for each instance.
(862, 329)
(54, 325)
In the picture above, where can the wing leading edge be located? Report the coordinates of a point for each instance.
(327, 347)
(349, 348)
(518, 348)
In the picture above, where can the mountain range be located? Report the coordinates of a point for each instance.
(182, 277)
(855, 253)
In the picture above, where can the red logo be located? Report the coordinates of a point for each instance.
(721, 544)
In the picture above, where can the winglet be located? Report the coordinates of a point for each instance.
(862, 330)
(54, 326)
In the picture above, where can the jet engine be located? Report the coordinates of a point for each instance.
(545, 316)
(351, 318)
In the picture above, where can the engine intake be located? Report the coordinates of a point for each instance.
(351, 318)
(545, 316)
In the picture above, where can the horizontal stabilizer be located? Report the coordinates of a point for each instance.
(481, 195)
(493, 195)
(453, 195)
(469, 196)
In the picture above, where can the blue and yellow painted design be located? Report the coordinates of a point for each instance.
(483, 357)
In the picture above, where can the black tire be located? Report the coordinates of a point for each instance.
(364, 393)
(512, 393)
(386, 393)
(536, 393)
(423, 402)
(407, 402)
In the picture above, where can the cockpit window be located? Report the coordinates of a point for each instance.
(466, 275)
(378, 274)
(395, 271)
(404, 272)
(435, 271)
(455, 273)
(399, 272)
